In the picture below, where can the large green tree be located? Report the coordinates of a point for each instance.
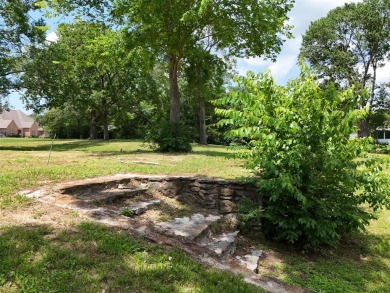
(173, 28)
(348, 46)
(17, 28)
(89, 68)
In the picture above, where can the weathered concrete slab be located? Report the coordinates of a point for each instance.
(251, 261)
(188, 229)
(223, 245)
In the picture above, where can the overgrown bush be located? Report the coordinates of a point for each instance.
(381, 148)
(165, 136)
(312, 183)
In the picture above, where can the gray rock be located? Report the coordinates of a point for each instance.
(223, 245)
(187, 229)
(251, 261)
(232, 218)
(227, 192)
(227, 206)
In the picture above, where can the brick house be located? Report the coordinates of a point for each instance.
(16, 123)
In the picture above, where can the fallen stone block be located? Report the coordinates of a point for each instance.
(223, 245)
(188, 229)
(251, 261)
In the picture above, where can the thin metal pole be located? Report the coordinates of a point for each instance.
(48, 160)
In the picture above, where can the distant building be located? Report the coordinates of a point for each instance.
(383, 135)
(16, 123)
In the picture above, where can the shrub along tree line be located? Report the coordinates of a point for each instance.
(314, 187)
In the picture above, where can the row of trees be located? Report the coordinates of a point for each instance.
(170, 55)
(132, 63)
(88, 72)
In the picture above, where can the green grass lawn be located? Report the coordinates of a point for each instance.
(85, 257)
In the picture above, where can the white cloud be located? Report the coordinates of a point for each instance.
(52, 37)
(241, 70)
(283, 66)
(256, 62)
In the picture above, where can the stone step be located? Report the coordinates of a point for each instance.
(188, 229)
(251, 261)
(223, 245)
(139, 207)
(113, 195)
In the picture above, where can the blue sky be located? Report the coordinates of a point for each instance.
(285, 68)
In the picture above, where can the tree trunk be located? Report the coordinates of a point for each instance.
(92, 126)
(374, 66)
(202, 122)
(364, 128)
(106, 135)
(92, 130)
(174, 113)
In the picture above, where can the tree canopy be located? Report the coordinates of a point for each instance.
(17, 28)
(174, 28)
(88, 68)
(349, 45)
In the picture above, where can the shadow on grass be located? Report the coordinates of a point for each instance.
(211, 153)
(58, 146)
(84, 145)
(94, 258)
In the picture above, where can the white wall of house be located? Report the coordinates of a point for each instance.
(383, 135)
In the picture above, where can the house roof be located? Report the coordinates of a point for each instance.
(20, 119)
(4, 123)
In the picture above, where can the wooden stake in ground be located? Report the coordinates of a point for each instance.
(48, 160)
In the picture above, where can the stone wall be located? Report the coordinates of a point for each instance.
(218, 195)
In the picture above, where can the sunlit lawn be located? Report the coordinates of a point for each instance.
(91, 258)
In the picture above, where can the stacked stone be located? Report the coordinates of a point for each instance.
(220, 196)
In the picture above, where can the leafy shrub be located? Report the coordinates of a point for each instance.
(312, 184)
(250, 213)
(165, 136)
(380, 148)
